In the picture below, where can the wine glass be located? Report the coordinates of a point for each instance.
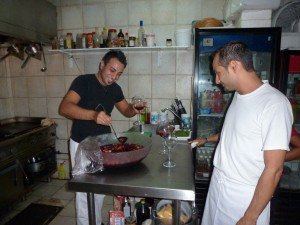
(163, 129)
(171, 142)
(139, 104)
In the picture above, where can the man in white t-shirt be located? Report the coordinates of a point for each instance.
(252, 145)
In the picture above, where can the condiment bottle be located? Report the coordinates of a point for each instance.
(126, 39)
(61, 42)
(55, 43)
(90, 40)
(142, 212)
(96, 39)
(83, 39)
(131, 41)
(121, 38)
(69, 40)
(78, 40)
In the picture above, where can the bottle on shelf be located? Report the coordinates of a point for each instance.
(142, 212)
(69, 40)
(90, 40)
(141, 34)
(121, 39)
(126, 39)
(97, 38)
(83, 40)
(126, 207)
(78, 40)
(55, 43)
(61, 42)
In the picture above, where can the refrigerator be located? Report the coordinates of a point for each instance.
(210, 101)
(288, 80)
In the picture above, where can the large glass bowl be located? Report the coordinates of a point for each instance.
(120, 159)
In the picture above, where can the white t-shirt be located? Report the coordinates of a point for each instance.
(255, 122)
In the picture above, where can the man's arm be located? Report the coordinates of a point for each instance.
(203, 141)
(294, 153)
(126, 109)
(265, 187)
(69, 108)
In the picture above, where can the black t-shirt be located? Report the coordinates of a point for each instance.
(92, 93)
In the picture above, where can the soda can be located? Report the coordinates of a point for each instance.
(154, 117)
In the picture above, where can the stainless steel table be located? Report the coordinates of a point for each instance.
(146, 179)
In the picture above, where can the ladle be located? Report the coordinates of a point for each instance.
(15, 50)
(31, 51)
(121, 139)
(43, 69)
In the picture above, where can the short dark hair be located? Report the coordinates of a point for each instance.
(235, 50)
(118, 54)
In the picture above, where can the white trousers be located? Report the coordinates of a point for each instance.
(228, 200)
(81, 199)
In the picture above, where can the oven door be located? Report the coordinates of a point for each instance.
(12, 185)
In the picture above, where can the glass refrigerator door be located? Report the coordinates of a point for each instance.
(211, 105)
(210, 101)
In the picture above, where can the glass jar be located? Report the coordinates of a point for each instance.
(55, 43)
(90, 40)
(169, 42)
(131, 41)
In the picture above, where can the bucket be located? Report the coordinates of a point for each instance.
(183, 37)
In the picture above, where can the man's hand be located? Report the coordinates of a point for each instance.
(102, 118)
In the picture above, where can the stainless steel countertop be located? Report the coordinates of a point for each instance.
(146, 179)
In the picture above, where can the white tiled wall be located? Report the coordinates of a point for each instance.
(158, 75)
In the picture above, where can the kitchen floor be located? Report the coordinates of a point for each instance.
(57, 190)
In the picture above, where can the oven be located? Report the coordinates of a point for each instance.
(27, 154)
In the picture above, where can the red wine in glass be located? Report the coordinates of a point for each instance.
(139, 107)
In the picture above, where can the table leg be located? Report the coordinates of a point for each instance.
(91, 208)
(176, 212)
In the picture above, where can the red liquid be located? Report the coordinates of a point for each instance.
(139, 107)
(160, 133)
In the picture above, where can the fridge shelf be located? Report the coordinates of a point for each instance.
(212, 115)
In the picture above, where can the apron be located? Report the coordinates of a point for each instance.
(82, 217)
(227, 200)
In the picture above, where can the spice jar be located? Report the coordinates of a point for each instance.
(90, 40)
(169, 42)
(131, 41)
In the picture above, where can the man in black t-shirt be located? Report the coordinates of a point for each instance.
(89, 103)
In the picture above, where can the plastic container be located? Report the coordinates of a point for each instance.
(183, 37)
(150, 38)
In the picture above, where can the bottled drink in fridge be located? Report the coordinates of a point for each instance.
(126, 208)
(142, 212)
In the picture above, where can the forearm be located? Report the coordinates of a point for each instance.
(263, 192)
(214, 138)
(73, 111)
(129, 111)
(293, 154)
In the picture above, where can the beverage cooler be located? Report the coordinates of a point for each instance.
(210, 101)
(288, 81)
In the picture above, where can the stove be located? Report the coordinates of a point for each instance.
(27, 154)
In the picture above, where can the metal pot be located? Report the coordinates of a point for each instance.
(32, 50)
(36, 167)
(15, 50)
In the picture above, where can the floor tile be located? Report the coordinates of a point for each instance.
(65, 194)
(63, 220)
(68, 210)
